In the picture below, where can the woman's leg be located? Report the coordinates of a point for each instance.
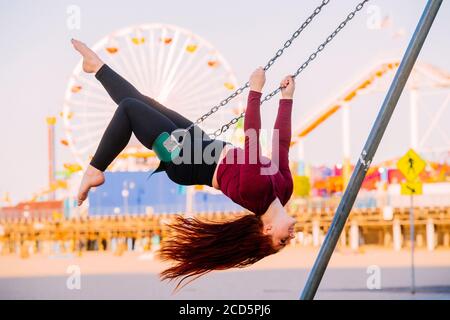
(131, 116)
(118, 88)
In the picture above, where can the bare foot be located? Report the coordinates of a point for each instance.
(91, 62)
(92, 178)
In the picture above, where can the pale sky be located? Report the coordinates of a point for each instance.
(37, 61)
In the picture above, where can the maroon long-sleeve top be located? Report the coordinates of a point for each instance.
(251, 179)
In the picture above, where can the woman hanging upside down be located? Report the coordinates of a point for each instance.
(257, 183)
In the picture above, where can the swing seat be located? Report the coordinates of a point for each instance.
(166, 147)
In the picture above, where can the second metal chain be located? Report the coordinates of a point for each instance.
(319, 49)
(286, 45)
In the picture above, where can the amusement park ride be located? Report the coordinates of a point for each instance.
(170, 64)
(425, 79)
(174, 65)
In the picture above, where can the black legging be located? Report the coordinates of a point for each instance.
(147, 118)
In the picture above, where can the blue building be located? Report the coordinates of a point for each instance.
(136, 193)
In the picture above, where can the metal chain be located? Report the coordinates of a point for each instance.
(319, 49)
(286, 45)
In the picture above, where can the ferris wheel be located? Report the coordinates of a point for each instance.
(172, 65)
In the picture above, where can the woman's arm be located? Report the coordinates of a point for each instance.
(281, 143)
(252, 120)
(282, 140)
(252, 127)
(250, 178)
(252, 182)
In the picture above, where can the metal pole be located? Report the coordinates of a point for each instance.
(411, 222)
(346, 143)
(370, 147)
(51, 121)
(414, 111)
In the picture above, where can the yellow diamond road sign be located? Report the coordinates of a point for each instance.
(411, 188)
(411, 165)
(302, 186)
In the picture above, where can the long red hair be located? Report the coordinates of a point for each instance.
(198, 247)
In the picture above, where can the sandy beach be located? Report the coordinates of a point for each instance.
(281, 276)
